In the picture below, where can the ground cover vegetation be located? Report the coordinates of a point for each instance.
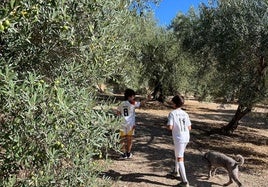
(56, 55)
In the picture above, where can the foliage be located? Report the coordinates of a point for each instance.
(163, 63)
(228, 42)
(45, 36)
(49, 133)
(52, 55)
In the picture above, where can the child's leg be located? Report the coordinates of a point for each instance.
(182, 169)
(123, 142)
(175, 170)
(176, 165)
(180, 159)
(129, 139)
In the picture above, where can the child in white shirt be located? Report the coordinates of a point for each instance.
(180, 125)
(127, 110)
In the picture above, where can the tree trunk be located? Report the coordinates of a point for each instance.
(158, 92)
(233, 124)
(257, 86)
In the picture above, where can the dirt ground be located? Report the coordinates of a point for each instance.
(153, 150)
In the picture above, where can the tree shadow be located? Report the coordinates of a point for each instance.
(258, 120)
(133, 177)
(254, 119)
(154, 127)
(197, 170)
(154, 142)
(139, 178)
(203, 141)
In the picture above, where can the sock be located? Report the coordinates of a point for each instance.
(182, 172)
(176, 166)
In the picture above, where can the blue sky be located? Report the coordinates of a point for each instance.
(168, 9)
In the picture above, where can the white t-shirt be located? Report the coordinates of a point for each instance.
(127, 111)
(180, 121)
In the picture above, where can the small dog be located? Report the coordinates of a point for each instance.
(217, 159)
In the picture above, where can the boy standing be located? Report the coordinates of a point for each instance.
(127, 110)
(180, 125)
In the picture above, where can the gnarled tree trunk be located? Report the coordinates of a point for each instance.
(258, 85)
(233, 124)
(158, 92)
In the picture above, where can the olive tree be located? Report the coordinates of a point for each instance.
(229, 39)
(52, 53)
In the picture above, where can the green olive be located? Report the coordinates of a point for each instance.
(6, 23)
(2, 28)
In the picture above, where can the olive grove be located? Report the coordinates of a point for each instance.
(228, 40)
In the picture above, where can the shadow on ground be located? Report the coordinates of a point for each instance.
(154, 142)
(134, 177)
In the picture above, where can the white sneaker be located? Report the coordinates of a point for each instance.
(129, 155)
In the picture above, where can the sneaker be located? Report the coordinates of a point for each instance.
(183, 184)
(123, 156)
(174, 173)
(129, 155)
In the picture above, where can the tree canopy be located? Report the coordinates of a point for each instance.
(228, 41)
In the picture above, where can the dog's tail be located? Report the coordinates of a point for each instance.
(240, 159)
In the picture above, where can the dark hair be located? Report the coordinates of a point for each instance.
(178, 100)
(128, 93)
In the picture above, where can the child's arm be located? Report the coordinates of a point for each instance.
(118, 110)
(142, 102)
(118, 113)
(170, 121)
(190, 127)
(170, 127)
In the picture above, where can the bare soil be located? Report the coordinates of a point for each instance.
(153, 149)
